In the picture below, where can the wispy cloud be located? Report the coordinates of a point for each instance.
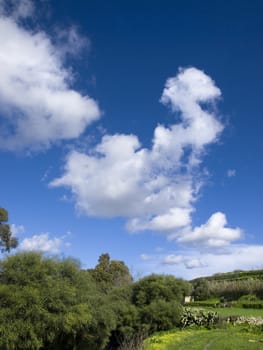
(191, 263)
(188, 261)
(17, 9)
(231, 173)
(145, 257)
(16, 229)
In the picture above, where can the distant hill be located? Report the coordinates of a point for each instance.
(233, 276)
(232, 285)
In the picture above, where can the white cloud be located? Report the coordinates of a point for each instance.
(188, 262)
(16, 229)
(173, 259)
(153, 188)
(70, 41)
(213, 233)
(37, 105)
(191, 264)
(198, 127)
(231, 173)
(43, 243)
(145, 257)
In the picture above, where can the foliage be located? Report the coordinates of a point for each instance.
(248, 298)
(199, 318)
(7, 242)
(159, 287)
(51, 304)
(134, 343)
(110, 273)
(252, 305)
(48, 303)
(201, 289)
(127, 316)
(234, 276)
(146, 306)
(160, 315)
(231, 286)
(233, 290)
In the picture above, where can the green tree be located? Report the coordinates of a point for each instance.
(201, 289)
(110, 273)
(7, 242)
(161, 315)
(127, 316)
(46, 303)
(158, 299)
(156, 287)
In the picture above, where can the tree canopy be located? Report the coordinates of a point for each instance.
(110, 273)
(50, 303)
(7, 242)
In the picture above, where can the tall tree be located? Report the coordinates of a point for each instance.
(7, 242)
(110, 273)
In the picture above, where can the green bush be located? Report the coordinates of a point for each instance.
(199, 318)
(161, 315)
(248, 298)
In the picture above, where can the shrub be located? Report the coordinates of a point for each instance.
(198, 318)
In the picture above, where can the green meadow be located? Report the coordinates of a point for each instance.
(216, 339)
(236, 311)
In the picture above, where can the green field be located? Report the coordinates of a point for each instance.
(216, 339)
(234, 311)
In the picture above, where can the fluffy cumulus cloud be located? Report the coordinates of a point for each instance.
(37, 104)
(214, 233)
(42, 243)
(155, 188)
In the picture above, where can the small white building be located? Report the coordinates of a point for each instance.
(188, 299)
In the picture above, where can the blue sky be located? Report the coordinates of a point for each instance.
(134, 128)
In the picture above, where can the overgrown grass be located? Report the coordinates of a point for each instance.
(216, 339)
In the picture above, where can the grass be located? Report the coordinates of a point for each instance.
(216, 339)
(231, 311)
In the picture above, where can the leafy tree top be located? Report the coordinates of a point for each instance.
(110, 273)
(7, 242)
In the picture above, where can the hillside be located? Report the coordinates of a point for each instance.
(231, 285)
(233, 276)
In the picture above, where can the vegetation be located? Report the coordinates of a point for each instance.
(231, 286)
(52, 304)
(199, 318)
(7, 242)
(47, 303)
(216, 339)
(229, 311)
